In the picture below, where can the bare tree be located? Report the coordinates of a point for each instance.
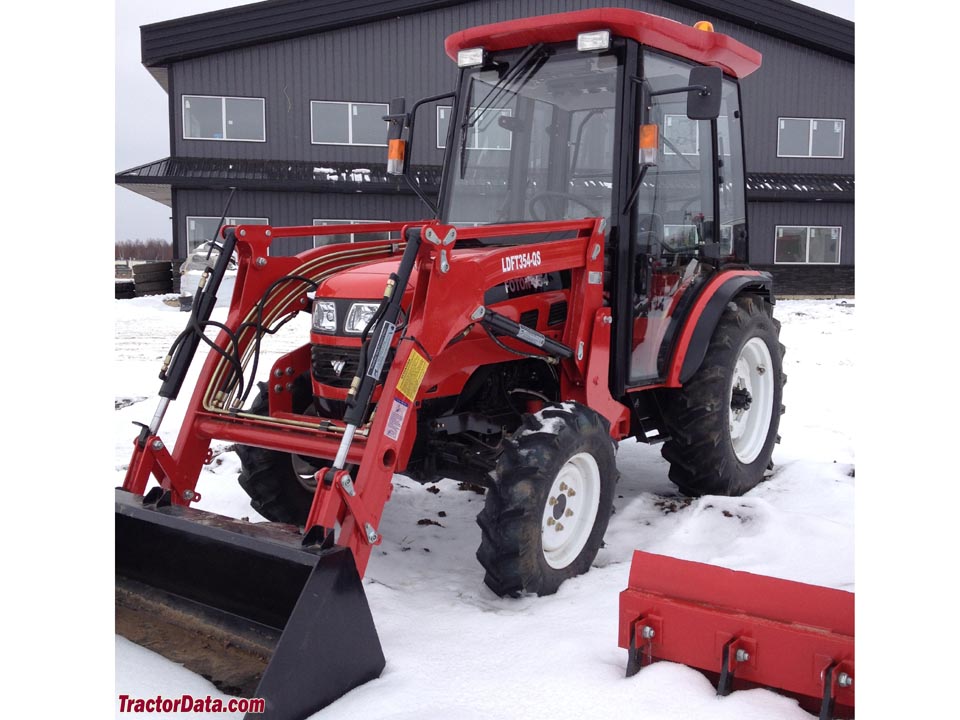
(149, 249)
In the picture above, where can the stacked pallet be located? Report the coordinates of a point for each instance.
(153, 278)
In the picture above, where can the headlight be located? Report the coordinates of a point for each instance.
(358, 316)
(324, 316)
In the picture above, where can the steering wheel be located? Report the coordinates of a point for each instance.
(540, 196)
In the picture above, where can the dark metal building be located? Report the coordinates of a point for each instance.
(282, 100)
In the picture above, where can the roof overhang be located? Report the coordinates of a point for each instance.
(257, 23)
(157, 180)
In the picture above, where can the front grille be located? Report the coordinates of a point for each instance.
(323, 358)
(558, 313)
(529, 318)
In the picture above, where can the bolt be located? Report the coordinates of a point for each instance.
(243, 233)
(289, 371)
(550, 521)
(563, 486)
(372, 536)
(844, 680)
(347, 484)
(261, 261)
(607, 320)
(552, 501)
(559, 527)
(278, 372)
(761, 369)
(289, 387)
(571, 492)
(569, 512)
(268, 233)
(189, 495)
(157, 445)
(278, 388)
(647, 632)
(742, 655)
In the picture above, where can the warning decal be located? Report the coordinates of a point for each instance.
(398, 411)
(412, 375)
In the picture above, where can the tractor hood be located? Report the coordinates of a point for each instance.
(360, 282)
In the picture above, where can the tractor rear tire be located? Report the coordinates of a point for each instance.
(723, 422)
(270, 477)
(557, 474)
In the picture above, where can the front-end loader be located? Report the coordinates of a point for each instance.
(582, 279)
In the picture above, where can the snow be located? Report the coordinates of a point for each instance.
(454, 649)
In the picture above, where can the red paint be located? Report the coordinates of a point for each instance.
(707, 48)
(792, 631)
(693, 317)
(439, 311)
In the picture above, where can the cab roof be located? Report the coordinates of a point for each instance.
(707, 48)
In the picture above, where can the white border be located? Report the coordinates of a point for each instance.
(321, 222)
(350, 104)
(226, 221)
(810, 121)
(838, 228)
(223, 117)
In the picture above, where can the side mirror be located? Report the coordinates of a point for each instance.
(397, 122)
(706, 93)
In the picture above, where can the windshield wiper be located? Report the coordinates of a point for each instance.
(527, 65)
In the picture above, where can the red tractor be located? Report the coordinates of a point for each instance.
(582, 279)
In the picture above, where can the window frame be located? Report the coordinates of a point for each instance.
(223, 117)
(776, 238)
(226, 221)
(350, 104)
(475, 133)
(810, 155)
(322, 222)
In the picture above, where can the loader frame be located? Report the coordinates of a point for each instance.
(448, 300)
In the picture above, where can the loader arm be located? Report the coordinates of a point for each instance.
(449, 299)
(267, 290)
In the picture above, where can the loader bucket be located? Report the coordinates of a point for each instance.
(752, 629)
(244, 605)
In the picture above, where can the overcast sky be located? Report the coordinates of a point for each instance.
(142, 131)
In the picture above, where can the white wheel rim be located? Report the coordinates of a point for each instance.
(751, 400)
(571, 510)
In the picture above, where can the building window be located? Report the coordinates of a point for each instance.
(348, 123)
(485, 134)
(810, 137)
(223, 118)
(681, 134)
(812, 245)
(319, 240)
(204, 229)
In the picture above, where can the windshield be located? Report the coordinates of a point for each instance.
(534, 139)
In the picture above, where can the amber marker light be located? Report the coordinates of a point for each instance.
(649, 141)
(704, 25)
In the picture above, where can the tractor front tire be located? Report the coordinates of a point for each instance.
(278, 483)
(723, 422)
(546, 513)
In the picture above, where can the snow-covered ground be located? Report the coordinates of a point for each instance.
(454, 649)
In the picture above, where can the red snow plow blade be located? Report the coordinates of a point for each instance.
(749, 629)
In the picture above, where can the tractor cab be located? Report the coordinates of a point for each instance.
(608, 121)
